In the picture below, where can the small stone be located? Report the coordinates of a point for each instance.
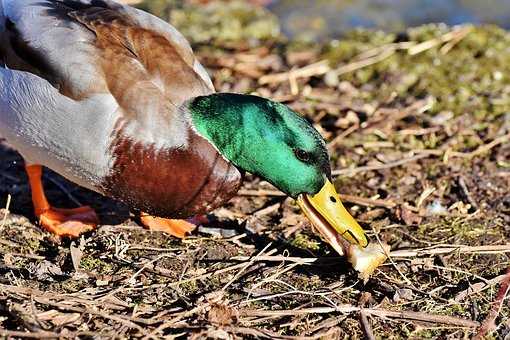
(442, 117)
(331, 79)
(403, 294)
(436, 208)
(102, 283)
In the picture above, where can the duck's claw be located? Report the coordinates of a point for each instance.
(177, 228)
(69, 222)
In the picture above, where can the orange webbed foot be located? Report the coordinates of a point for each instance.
(61, 222)
(69, 222)
(177, 228)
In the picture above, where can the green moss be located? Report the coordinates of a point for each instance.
(456, 309)
(504, 164)
(462, 228)
(305, 242)
(425, 333)
(33, 244)
(94, 264)
(19, 262)
(161, 8)
(471, 78)
(225, 22)
(189, 287)
(70, 286)
(354, 43)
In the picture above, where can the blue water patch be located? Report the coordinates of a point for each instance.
(330, 18)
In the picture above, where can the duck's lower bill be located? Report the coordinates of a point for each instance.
(331, 219)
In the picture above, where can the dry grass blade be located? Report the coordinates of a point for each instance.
(406, 315)
(478, 287)
(489, 324)
(367, 327)
(351, 67)
(344, 197)
(487, 147)
(314, 69)
(367, 202)
(447, 249)
(354, 171)
(6, 211)
(425, 317)
(277, 258)
(30, 335)
(455, 35)
(249, 263)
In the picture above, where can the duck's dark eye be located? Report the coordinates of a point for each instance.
(302, 155)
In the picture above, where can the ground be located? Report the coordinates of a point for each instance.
(418, 127)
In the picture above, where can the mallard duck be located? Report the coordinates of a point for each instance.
(113, 99)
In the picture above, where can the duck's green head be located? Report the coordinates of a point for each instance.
(270, 140)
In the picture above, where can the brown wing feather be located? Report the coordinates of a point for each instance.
(144, 71)
(140, 61)
(114, 50)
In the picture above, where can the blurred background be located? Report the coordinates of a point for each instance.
(311, 20)
(332, 17)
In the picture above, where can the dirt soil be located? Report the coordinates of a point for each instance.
(418, 126)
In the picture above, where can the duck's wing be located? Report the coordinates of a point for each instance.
(85, 47)
(75, 72)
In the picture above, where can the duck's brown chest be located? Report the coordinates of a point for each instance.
(173, 182)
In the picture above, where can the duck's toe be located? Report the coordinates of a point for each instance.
(177, 228)
(69, 222)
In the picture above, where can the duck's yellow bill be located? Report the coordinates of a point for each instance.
(329, 216)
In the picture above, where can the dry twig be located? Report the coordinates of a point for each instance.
(406, 315)
(447, 249)
(489, 324)
(6, 211)
(354, 171)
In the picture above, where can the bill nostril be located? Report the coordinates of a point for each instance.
(332, 199)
